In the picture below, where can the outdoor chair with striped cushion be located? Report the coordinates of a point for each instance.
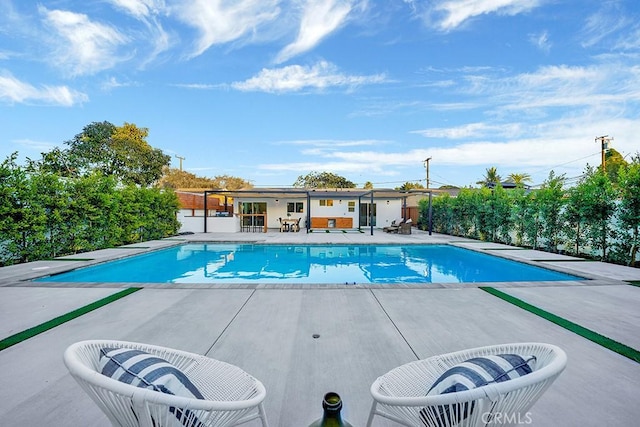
(145, 385)
(494, 385)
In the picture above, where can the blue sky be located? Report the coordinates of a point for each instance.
(268, 90)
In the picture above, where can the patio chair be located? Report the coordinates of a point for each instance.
(296, 225)
(228, 396)
(403, 394)
(394, 226)
(405, 227)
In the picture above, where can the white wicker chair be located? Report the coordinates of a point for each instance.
(399, 395)
(232, 396)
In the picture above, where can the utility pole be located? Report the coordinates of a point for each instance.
(604, 141)
(181, 159)
(426, 164)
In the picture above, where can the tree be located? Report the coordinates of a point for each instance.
(629, 210)
(575, 218)
(490, 178)
(15, 214)
(410, 186)
(551, 198)
(443, 214)
(614, 162)
(519, 179)
(599, 206)
(121, 152)
(323, 180)
(532, 221)
(175, 178)
(368, 185)
(520, 201)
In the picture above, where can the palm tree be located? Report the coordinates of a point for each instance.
(519, 179)
(490, 178)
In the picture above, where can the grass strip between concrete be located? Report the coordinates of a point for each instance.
(43, 327)
(595, 337)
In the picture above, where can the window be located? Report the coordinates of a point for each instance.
(326, 202)
(248, 208)
(352, 206)
(295, 207)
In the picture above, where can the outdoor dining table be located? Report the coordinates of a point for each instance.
(288, 223)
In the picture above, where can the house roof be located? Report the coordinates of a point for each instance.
(320, 193)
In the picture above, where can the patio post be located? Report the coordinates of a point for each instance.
(205, 211)
(430, 215)
(371, 213)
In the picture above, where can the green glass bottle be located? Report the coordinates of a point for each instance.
(332, 404)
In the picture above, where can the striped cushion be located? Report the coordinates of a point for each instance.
(472, 373)
(145, 370)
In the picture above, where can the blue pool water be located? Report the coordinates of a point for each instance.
(252, 263)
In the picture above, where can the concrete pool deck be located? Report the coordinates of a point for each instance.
(364, 332)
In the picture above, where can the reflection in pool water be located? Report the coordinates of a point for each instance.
(254, 263)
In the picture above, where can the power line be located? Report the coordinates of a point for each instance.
(565, 163)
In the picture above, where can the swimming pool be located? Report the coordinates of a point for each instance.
(319, 264)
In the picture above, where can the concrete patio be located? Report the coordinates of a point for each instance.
(364, 330)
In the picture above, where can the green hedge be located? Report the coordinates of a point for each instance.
(44, 216)
(596, 217)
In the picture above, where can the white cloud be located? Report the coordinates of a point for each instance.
(114, 83)
(148, 12)
(319, 19)
(199, 86)
(472, 130)
(608, 84)
(585, 101)
(564, 143)
(447, 15)
(541, 41)
(31, 145)
(295, 78)
(82, 46)
(140, 9)
(13, 90)
(603, 23)
(332, 143)
(220, 21)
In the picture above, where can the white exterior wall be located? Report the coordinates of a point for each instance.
(385, 214)
(215, 224)
(278, 209)
(340, 208)
(190, 223)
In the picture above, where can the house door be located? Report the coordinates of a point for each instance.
(253, 216)
(367, 212)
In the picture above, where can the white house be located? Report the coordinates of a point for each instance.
(258, 210)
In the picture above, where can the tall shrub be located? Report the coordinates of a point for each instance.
(628, 242)
(23, 217)
(550, 203)
(590, 208)
(442, 213)
(575, 220)
(519, 204)
(532, 221)
(600, 197)
(501, 215)
(466, 212)
(43, 215)
(51, 195)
